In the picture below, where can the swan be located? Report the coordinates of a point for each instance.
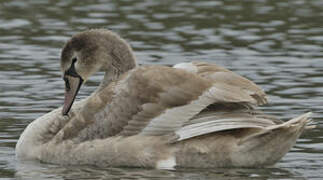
(193, 114)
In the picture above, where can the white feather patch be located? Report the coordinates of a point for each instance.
(169, 163)
(190, 67)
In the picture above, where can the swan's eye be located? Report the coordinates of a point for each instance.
(71, 71)
(74, 60)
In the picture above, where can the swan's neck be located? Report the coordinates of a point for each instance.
(109, 77)
(122, 62)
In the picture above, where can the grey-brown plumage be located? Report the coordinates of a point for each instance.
(191, 115)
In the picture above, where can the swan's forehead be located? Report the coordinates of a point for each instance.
(81, 45)
(66, 56)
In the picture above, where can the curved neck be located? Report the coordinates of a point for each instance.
(122, 62)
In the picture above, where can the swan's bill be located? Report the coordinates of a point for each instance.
(72, 86)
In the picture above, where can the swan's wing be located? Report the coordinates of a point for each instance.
(211, 122)
(156, 100)
(218, 74)
(255, 124)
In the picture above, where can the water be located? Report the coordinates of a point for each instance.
(277, 44)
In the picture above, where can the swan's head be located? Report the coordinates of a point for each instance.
(88, 52)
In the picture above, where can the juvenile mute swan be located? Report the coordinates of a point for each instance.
(190, 115)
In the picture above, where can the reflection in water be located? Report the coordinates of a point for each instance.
(277, 44)
(44, 171)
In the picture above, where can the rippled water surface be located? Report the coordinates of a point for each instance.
(277, 44)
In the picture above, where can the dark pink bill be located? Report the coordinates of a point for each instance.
(72, 86)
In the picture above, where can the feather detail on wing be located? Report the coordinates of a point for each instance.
(212, 122)
(174, 118)
(156, 100)
(219, 74)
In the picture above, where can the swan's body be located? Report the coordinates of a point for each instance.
(190, 115)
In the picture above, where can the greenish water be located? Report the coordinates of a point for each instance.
(277, 44)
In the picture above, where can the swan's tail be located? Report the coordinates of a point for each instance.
(301, 122)
(273, 142)
(295, 126)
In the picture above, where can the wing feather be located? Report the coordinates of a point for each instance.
(217, 122)
(219, 74)
(156, 100)
(150, 91)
